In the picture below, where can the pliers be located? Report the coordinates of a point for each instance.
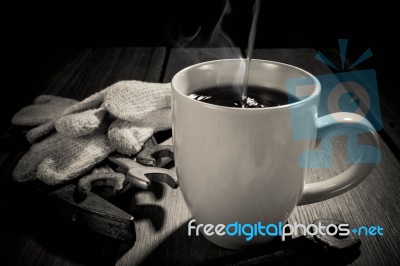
(80, 204)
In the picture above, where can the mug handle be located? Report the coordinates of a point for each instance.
(353, 176)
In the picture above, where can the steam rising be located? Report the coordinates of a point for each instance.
(202, 37)
(217, 38)
(218, 35)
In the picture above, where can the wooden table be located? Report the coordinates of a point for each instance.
(32, 235)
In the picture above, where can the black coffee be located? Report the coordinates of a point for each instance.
(257, 97)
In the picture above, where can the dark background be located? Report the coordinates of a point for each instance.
(40, 39)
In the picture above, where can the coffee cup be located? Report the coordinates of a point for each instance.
(242, 164)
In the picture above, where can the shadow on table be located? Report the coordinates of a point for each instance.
(33, 233)
(180, 249)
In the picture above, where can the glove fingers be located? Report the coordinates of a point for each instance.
(27, 166)
(45, 108)
(77, 156)
(134, 100)
(126, 138)
(158, 120)
(80, 124)
(38, 132)
(93, 101)
(52, 99)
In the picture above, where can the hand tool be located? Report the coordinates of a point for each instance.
(142, 176)
(79, 204)
(96, 213)
(156, 155)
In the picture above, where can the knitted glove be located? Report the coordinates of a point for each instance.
(58, 159)
(127, 100)
(91, 103)
(128, 137)
(44, 108)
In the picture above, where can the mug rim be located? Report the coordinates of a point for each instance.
(312, 96)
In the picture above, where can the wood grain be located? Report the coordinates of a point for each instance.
(162, 226)
(367, 204)
(97, 68)
(373, 202)
(31, 234)
(181, 58)
(389, 107)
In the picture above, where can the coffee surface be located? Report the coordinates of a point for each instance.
(257, 97)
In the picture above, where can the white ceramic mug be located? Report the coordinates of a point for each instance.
(239, 164)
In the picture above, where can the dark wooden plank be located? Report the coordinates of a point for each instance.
(181, 58)
(97, 68)
(373, 202)
(390, 121)
(389, 106)
(30, 233)
(162, 214)
(162, 229)
(301, 57)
